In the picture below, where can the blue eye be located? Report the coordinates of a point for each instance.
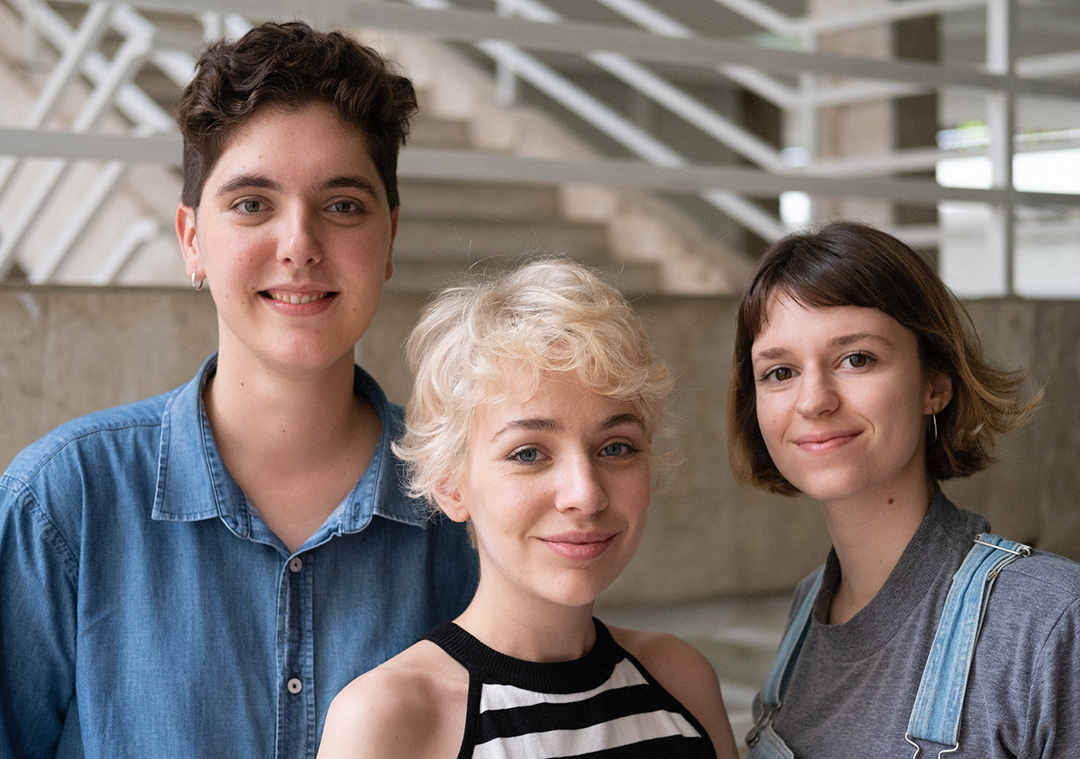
(250, 206)
(618, 449)
(527, 455)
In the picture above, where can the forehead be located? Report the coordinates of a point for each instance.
(294, 138)
(527, 392)
(786, 320)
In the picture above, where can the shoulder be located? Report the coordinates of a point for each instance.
(103, 441)
(46, 488)
(686, 674)
(661, 652)
(1032, 622)
(99, 428)
(1050, 570)
(1040, 581)
(1040, 590)
(412, 705)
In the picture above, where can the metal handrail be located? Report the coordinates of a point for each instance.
(624, 53)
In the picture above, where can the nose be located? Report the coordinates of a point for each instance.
(580, 488)
(817, 394)
(299, 243)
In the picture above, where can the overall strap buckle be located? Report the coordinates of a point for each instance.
(935, 716)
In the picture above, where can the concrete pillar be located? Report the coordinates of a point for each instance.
(876, 128)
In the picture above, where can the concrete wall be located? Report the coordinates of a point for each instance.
(65, 352)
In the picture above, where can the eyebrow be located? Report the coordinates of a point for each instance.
(260, 182)
(246, 181)
(539, 424)
(841, 341)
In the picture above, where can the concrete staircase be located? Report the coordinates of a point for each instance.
(446, 228)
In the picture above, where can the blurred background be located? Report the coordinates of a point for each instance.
(664, 143)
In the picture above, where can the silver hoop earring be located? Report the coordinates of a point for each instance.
(197, 284)
(933, 427)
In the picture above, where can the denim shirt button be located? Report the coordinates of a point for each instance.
(295, 686)
(296, 564)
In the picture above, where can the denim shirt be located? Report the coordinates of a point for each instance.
(147, 611)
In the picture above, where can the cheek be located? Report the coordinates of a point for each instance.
(904, 407)
(768, 419)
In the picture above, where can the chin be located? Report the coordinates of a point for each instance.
(829, 490)
(576, 595)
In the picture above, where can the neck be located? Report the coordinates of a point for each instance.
(275, 432)
(869, 538)
(539, 633)
(302, 416)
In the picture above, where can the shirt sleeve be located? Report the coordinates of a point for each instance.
(1055, 690)
(38, 590)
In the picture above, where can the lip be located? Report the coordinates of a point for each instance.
(826, 441)
(579, 546)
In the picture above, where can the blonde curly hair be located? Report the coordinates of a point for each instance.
(472, 342)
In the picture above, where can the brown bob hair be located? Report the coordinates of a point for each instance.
(851, 264)
(290, 66)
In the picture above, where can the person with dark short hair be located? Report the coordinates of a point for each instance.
(858, 380)
(199, 573)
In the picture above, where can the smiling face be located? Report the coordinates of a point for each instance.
(556, 488)
(294, 236)
(842, 399)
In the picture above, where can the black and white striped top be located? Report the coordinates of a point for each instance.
(602, 706)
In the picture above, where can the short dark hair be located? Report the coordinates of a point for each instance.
(851, 264)
(289, 66)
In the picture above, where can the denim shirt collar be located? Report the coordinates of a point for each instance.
(193, 483)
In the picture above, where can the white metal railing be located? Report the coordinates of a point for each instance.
(512, 32)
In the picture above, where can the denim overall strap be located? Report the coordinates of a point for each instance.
(935, 716)
(772, 696)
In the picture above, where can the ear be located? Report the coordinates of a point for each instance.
(939, 391)
(450, 502)
(185, 233)
(393, 234)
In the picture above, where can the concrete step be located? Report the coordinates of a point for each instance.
(429, 132)
(469, 240)
(631, 279)
(475, 200)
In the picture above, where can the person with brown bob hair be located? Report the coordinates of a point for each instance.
(858, 379)
(199, 573)
(846, 264)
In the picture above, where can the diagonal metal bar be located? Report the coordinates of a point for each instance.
(741, 210)
(75, 226)
(139, 232)
(662, 92)
(135, 104)
(130, 56)
(91, 30)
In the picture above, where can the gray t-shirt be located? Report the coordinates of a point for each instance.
(854, 684)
